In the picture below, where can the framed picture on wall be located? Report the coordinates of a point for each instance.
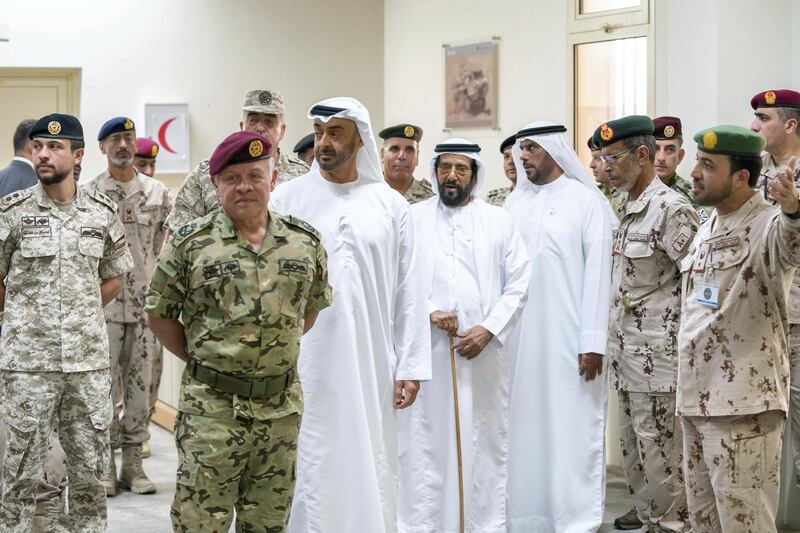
(470, 73)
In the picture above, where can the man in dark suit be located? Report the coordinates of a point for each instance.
(19, 174)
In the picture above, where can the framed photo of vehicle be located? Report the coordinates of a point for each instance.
(470, 73)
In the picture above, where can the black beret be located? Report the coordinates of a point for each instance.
(57, 126)
(304, 144)
(114, 125)
(404, 131)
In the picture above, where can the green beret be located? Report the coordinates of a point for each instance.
(730, 140)
(622, 128)
(404, 131)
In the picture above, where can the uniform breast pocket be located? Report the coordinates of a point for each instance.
(92, 249)
(641, 267)
(295, 283)
(232, 298)
(42, 249)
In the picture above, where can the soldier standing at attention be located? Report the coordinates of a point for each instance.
(62, 254)
(247, 283)
(262, 114)
(777, 119)
(656, 227)
(733, 369)
(145, 157)
(399, 159)
(498, 196)
(143, 204)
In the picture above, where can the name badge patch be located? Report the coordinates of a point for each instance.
(638, 237)
(727, 242)
(219, 269)
(292, 265)
(35, 226)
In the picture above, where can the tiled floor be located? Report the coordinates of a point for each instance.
(132, 513)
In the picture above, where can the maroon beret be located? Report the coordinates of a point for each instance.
(776, 98)
(146, 148)
(239, 147)
(667, 128)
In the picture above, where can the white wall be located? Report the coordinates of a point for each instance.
(713, 56)
(532, 63)
(207, 53)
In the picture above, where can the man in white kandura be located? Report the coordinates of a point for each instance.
(476, 280)
(367, 352)
(556, 459)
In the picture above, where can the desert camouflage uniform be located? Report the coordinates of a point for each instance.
(243, 316)
(679, 184)
(654, 234)
(616, 198)
(143, 207)
(769, 170)
(733, 370)
(498, 196)
(54, 347)
(420, 190)
(196, 198)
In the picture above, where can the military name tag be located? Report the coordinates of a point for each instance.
(638, 237)
(219, 269)
(708, 294)
(35, 226)
(292, 265)
(726, 243)
(94, 233)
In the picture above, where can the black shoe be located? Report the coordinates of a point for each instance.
(629, 520)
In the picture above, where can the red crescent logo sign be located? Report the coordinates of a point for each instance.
(162, 135)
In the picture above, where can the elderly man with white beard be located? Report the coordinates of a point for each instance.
(476, 281)
(556, 459)
(367, 352)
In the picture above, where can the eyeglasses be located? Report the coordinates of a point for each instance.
(445, 169)
(610, 159)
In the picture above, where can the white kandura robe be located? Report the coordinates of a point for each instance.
(376, 331)
(557, 420)
(475, 264)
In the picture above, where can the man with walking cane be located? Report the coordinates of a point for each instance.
(476, 281)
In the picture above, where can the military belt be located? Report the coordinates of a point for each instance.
(249, 388)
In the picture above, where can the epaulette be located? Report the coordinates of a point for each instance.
(204, 166)
(102, 198)
(12, 199)
(184, 232)
(301, 225)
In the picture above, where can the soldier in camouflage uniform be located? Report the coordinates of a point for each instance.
(669, 154)
(399, 159)
(615, 198)
(62, 255)
(263, 114)
(247, 284)
(143, 203)
(498, 196)
(733, 369)
(656, 227)
(777, 119)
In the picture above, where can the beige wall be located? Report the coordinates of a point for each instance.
(206, 53)
(532, 67)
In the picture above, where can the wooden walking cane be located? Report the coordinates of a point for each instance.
(458, 436)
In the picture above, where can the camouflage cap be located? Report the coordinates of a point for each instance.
(264, 101)
(730, 140)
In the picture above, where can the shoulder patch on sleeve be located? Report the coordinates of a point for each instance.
(102, 198)
(12, 199)
(301, 225)
(193, 227)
